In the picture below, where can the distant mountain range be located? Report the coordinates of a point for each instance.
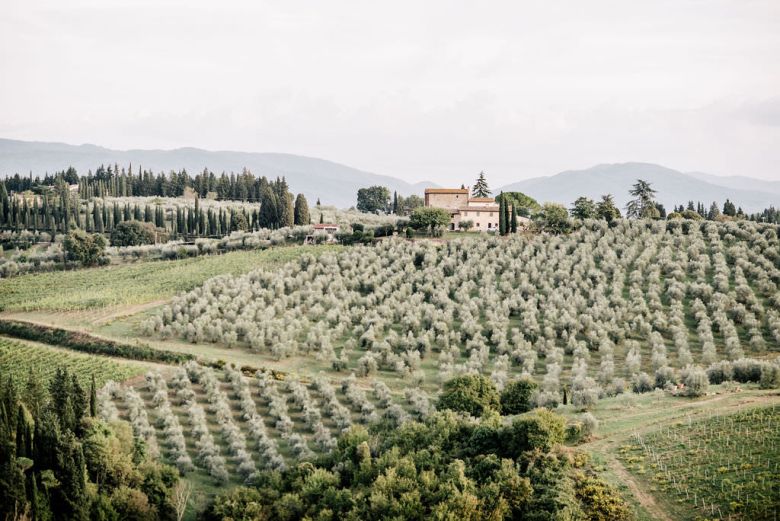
(332, 183)
(673, 187)
(337, 184)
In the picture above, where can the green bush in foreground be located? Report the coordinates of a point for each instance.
(517, 396)
(433, 470)
(473, 394)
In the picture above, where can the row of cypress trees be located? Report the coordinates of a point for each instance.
(61, 212)
(113, 181)
(507, 218)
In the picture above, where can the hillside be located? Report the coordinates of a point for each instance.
(333, 183)
(673, 187)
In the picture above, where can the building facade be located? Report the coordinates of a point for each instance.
(481, 211)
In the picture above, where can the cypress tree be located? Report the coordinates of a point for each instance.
(23, 434)
(92, 398)
(501, 215)
(513, 223)
(507, 221)
(32, 496)
(5, 204)
(301, 211)
(268, 208)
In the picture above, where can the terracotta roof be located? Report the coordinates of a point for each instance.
(319, 226)
(478, 209)
(482, 199)
(446, 190)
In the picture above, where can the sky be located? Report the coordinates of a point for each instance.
(431, 90)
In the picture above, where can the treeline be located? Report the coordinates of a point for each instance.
(113, 181)
(59, 211)
(59, 461)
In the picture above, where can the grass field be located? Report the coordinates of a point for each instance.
(725, 466)
(135, 283)
(18, 358)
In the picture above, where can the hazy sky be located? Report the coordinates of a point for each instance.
(421, 89)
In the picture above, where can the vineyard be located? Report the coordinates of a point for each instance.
(723, 467)
(595, 313)
(133, 284)
(230, 425)
(18, 359)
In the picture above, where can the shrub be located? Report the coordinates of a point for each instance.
(88, 249)
(695, 380)
(517, 396)
(136, 233)
(642, 383)
(770, 376)
(473, 394)
(539, 429)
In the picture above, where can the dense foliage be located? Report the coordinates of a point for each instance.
(447, 467)
(136, 233)
(59, 461)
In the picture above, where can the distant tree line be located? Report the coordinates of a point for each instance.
(60, 210)
(113, 181)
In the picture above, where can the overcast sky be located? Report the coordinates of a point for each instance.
(434, 90)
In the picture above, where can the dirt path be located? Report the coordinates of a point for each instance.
(647, 501)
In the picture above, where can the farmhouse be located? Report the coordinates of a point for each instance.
(328, 228)
(481, 211)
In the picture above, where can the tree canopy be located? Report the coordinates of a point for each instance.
(643, 206)
(429, 217)
(481, 188)
(373, 199)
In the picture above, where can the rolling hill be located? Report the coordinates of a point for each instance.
(333, 183)
(337, 184)
(673, 187)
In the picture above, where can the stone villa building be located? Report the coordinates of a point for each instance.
(482, 211)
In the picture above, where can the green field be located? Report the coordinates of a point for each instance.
(134, 283)
(724, 466)
(17, 359)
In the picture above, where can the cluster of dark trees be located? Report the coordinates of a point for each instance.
(701, 211)
(376, 199)
(113, 181)
(59, 210)
(59, 461)
(445, 467)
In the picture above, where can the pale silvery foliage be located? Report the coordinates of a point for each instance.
(105, 400)
(619, 297)
(140, 421)
(169, 422)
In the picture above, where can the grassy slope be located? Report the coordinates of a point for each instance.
(134, 283)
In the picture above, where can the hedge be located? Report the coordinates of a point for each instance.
(88, 343)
